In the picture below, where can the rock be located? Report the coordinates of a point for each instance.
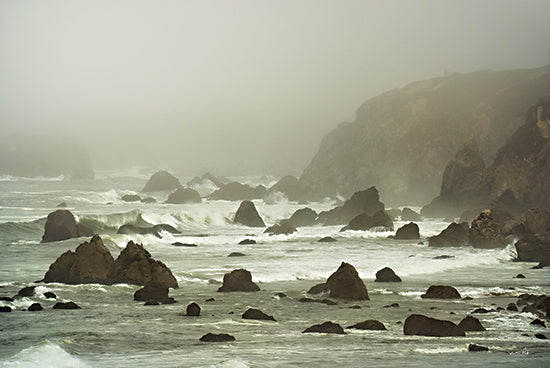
(248, 215)
(327, 239)
(151, 302)
(537, 322)
(160, 181)
(131, 198)
(392, 305)
(366, 222)
(205, 178)
(409, 215)
(5, 309)
(238, 280)
(247, 241)
(135, 266)
(303, 217)
(512, 307)
(35, 307)
(67, 305)
(455, 235)
(61, 205)
(481, 311)
(321, 301)
(470, 323)
(386, 274)
(252, 313)
(530, 308)
(318, 289)
(537, 220)
(210, 337)
(90, 263)
(420, 325)
(520, 276)
(236, 254)
(193, 310)
(443, 256)
(183, 196)
(370, 324)
(130, 229)
(474, 347)
(6, 299)
(281, 295)
(25, 292)
(238, 192)
(326, 327)
(540, 336)
(61, 225)
(345, 283)
(153, 291)
(291, 188)
(407, 232)
(486, 233)
(283, 228)
(533, 248)
(441, 292)
(50, 295)
(188, 245)
(148, 200)
(365, 201)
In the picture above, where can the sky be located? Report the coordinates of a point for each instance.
(241, 87)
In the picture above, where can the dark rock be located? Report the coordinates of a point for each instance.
(480, 311)
(486, 233)
(161, 180)
(151, 302)
(281, 295)
(393, 305)
(520, 276)
(248, 215)
(180, 244)
(540, 336)
(210, 337)
(420, 325)
(131, 198)
(327, 239)
(306, 300)
(537, 220)
(365, 201)
(238, 280)
(247, 241)
(533, 248)
(67, 305)
(408, 231)
(470, 323)
(386, 274)
(283, 228)
(441, 292)
(455, 235)
(210, 300)
(6, 299)
(409, 215)
(153, 291)
(321, 301)
(193, 310)
(512, 307)
(35, 307)
(90, 263)
(236, 254)
(238, 192)
(443, 256)
(537, 322)
(370, 324)
(61, 225)
(252, 313)
(219, 182)
(318, 289)
(345, 283)
(326, 327)
(183, 196)
(61, 205)
(129, 229)
(530, 308)
(26, 292)
(148, 200)
(5, 309)
(474, 347)
(366, 222)
(303, 217)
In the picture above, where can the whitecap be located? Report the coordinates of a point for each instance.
(44, 355)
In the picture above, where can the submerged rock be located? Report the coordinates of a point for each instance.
(326, 327)
(248, 215)
(369, 324)
(247, 242)
(61, 225)
(183, 196)
(252, 313)
(345, 283)
(386, 274)
(238, 280)
(131, 198)
(441, 292)
(67, 305)
(210, 337)
(417, 324)
(161, 180)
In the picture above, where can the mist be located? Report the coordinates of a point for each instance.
(236, 87)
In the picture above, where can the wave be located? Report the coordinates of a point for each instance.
(45, 354)
(34, 178)
(17, 231)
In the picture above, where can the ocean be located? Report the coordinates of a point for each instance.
(113, 330)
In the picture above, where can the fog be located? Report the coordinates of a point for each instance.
(236, 86)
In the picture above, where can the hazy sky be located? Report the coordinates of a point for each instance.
(247, 85)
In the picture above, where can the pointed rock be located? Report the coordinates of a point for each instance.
(345, 283)
(248, 215)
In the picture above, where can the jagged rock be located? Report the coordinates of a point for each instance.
(408, 232)
(327, 239)
(486, 233)
(474, 347)
(537, 220)
(252, 313)
(303, 217)
(318, 289)
(238, 192)
(35, 307)
(153, 291)
(210, 337)
(455, 235)
(470, 323)
(345, 283)
(184, 195)
(369, 324)
(61, 225)
(387, 275)
(131, 198)
(533, 248)
(90, 263)
(417, 324)
(236, 254)
(193, 310)
(366, 222)
(5, 309)
(161, 180)
(409, 215)
(135, 266)
(247, 242)
(238, 280)
(282, 228)
(67, 305)
(365, 201)
(148, 200)
(441, 292)
(326, 327)
(248, 215)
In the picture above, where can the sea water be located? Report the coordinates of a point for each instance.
(112, 330)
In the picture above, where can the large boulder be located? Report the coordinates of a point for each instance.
(386, 274)
(61, 225)
(154, 291)
(470, 323)
(282, 228)
(326, 327)
(160, 181)
(238, 192)
(345, 283)
(409, 231)
(303, 217)
(248, 215)
(370, 324)
(534, 248)
(135, 266)
(537, 220)
(366, 222)
(365, 201)
(455, 235)
(441, 292)
(253, 313)
(90, 263)
(417, 324)
(486, 232)
(238, 280)
(184, 195)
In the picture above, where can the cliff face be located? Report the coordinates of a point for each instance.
(402, 140)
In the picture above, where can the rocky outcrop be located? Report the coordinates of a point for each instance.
(345, 283)
(534, 248)
(210, 337)
(238, 192)
(35, 307)
(367, 222)
(470, 323)
(417, 324)
(154, 291)
(441, 292)
(184, 195)
(291, 187)
(282, 228)
(252, 313)
(486, 233)
(455, 235)
(326, 327)
(238, 280)
(365, 201)
(248, 215)
(386, 274)
(61, 225)
(409, 231)
(537, 221)
(303, 217)
(369, 324)
(161, 181)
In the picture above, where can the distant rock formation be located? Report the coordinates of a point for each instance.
(365, 201)
(455, 235)
(303, 217)
(248, 215)
(184, 195)
(238, 192)
(238, 280)
(291, 187)
(253, 313)
(161, 181)
(282, 228)
(200, 180)
(61, 225)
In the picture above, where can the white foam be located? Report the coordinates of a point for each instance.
(44, 355)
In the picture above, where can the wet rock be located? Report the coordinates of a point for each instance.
(318, 289)
(409, 215)
(153, 291)
(188, 245)
(210, 300)
(326, 327)
(443, 256)
(129, 229)
(6, 299)
(541, 336)
(441, 292)
(392, 305)
(25, 292)
(327, 239)
(61, 225)
(512, 307)
(248, 215)
(386, 274)
(252, 313)
(369, 324)
(455, 235)
(345, 283)
(520, 276)
(366, 222)
(183, 196)
(236, 254)
(470, 323)
(238, 192)
(537, 220)
(533, 248)
(537, 322)
(408, 232)
(486, 233)
(420, 325)
(67, 305)
(283, 228)
(303, 217)
(481, 311)
(238, 280)
(193, 310)
(35, 307)
(210, 337)
(365, 201)
(247, 242)
(131, 198)
(5, 309)
(474, 347)
(161, 180)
